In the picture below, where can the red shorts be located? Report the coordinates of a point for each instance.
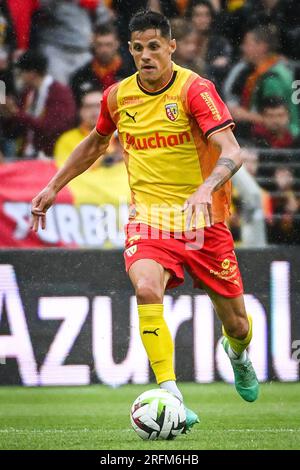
(209, 258)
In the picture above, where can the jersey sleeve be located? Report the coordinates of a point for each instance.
(206, 106)
(105, 125)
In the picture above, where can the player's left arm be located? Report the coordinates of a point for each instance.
(228, 164)
(215, 121)
(229, 161)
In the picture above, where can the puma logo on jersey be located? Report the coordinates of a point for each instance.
(130, 115)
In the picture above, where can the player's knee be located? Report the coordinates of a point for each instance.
(238, 328)
(148, 291)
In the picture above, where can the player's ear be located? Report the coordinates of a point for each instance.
(130, 47)
(172, 46)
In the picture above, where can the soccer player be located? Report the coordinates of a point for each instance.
(180, 154)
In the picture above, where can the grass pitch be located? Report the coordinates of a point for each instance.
(97, 417)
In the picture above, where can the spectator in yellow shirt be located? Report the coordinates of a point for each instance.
(88, 113)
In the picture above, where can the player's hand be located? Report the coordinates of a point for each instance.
(40, 205)
(198, 203)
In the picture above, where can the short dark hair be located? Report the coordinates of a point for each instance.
(272, 102)
(148, 19)
(267, 34)
(103, 29)
(32, 61)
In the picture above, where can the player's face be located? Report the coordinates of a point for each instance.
(152, 55)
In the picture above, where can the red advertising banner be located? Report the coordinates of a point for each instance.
(87, 213)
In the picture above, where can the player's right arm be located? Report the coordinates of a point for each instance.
(82, 157)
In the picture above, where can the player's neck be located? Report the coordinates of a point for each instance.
(157, 84)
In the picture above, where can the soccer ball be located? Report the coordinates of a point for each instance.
(158, 414)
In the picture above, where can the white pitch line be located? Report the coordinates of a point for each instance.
(57, 431)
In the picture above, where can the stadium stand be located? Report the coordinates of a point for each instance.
(214, 52)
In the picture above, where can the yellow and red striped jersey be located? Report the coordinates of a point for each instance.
(165, 138)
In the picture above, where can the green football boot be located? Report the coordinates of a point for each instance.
(191, 420)
(245, 379)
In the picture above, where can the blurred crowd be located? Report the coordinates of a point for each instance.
(57, 57)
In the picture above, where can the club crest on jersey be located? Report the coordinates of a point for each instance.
(172, 111)
(131, 250)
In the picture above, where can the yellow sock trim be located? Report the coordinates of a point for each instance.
(157, 341)
(239, 345)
